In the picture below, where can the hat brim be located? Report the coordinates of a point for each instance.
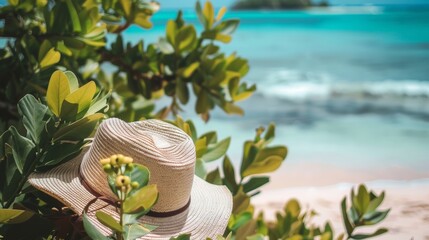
(206, 216)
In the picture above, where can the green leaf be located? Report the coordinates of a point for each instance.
(200, 147)
(171, 32)
(22, 149)
(375, 203)
(142, 20)
(33, 114)
(58, 153)
(186, 38)
(293, 208)
(136, 230)
(108, 221)
(200, 168)
(126, 6)
(74, 16)
(91, 230)
(63, 48)
(214, 177)
(255, 183)
(374, 217)
(81, 98)
(203, 102)
(139, 174)
(264, 153)
(78, 130)
(216, 151)
(346, 220)
(142, 200)
(58, 89)
(228, 171)
(363, 198)
(73, 82)
(200, 14)
(208, 13)
(240, 220)
(374, 234)
(267, 165)
(165, 47)
(99, 104)
(184, 236)
(190, 69)
(182, 91)
(220, 13)
(270, 133)
(211, 137)
(13, 216)
(228, 27)
(50, 58)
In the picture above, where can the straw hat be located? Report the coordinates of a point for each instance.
(186, 203)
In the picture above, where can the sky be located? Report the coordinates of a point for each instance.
(218, 3)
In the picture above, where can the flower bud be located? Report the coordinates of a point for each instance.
(127, 160)
(114, 160)
(120, 158)
(105, 161)
(135, 184)
(130, 166)
(107, 168)
(122, 181)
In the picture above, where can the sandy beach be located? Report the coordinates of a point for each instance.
(408, 200)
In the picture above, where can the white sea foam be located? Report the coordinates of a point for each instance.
(295, 85)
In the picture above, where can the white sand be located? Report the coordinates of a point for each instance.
(408, 200)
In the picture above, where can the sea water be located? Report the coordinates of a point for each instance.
(348, 87)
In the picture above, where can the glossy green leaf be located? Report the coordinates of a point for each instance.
(203, 102)
(126, 6)
(182, 91)
(61, 46)
(185, 236)
(189, 70)
(374, 234)
(375, 217)
(139, 174)
(241, 202)
(22, 149)
(73, 82)
(200, 147)
(108, 221)
(78, 101)
(270, 133)
(58, 153)
(267, 165)
(220, 13)
(80, 129)
(165, 46)
(228, 27)
(375, 203)
(142, 20)
(346, 220)
(216, 151)
(229, 172)
(171, 32)
(142, 200)
(363, 198)
(214, 177)
(99, 104)
(91, 230)
(137, 230)
(200, 168)
(208, 12)
(73, 16)
(58, 89)
(293, 208)
(33, 115)
(264, 153)
(13, 216)
(254, 183)
(186, 38)
(200, 14)
(240, 220)
(50, 58)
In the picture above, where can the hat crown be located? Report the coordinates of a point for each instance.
(164, 149)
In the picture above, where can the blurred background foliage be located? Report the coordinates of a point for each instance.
(53, 47)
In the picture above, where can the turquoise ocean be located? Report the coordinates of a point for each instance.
(348, 87)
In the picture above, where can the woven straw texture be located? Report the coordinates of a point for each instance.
(169, 154)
